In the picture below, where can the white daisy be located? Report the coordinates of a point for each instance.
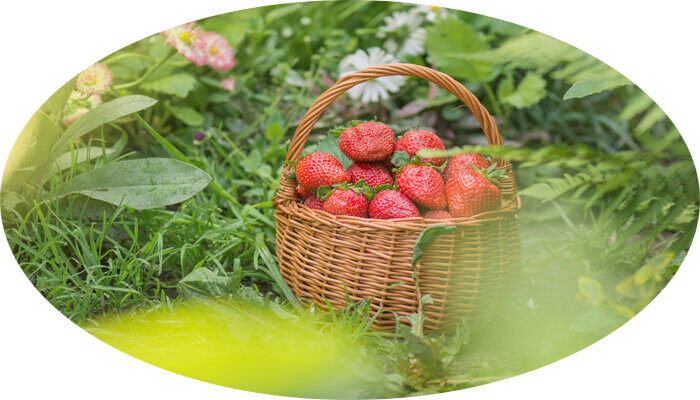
(376, 89)
(431, 13)
(413, 45)
(403, 33)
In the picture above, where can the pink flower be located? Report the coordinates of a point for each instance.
(96, 79)
(79, 105)
(228, 84)
(218, 52)
(186, 40)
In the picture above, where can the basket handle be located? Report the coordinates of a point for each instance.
(348, 81)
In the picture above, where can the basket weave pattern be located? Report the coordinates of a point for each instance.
(327, 257)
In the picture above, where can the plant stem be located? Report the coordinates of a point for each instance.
(492, 99)
(148, 73)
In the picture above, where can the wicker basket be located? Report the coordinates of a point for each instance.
(327, 257)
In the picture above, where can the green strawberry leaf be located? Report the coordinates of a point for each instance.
(384, 186)
(425, 238)
(399, 159)
(335, 132)
(323, 192)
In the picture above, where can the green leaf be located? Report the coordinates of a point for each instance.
(274, 132)
(592, 85)
(100, 115)
(426, 237)
(188, 115)
(593, 321)
(179, 84)
(400, 158)
(203, 281)
(591, 290)
(141, 184)
(420, 350)
(31, 150)
(450, 42)
(328, 144)
(529, 92)
(10, 200)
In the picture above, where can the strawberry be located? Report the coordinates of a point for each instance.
(367, 141)
(314, 202)
(469, 194)
(373, 174)
(412, 141)
(423, 185)
(303, 192)
(462, 162)
(437, 214)
(320, 169)
(391, 204)
(346, 202)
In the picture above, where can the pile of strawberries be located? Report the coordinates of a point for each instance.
(387, 179)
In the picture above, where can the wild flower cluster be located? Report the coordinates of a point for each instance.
(200, 47)
(404, 37)
(197, 46)
(89, 87)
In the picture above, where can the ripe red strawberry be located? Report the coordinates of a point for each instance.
(320, 169)
(303, 192)
(346, 202)
(367, 141)
(373, 174)
(423, 185)
(391, 204)
(314, 202)
(437, 214)
(412, 141)
(462, 162)
(470, 194)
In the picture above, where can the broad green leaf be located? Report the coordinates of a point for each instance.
(329, 144)
(141, 184)
(101, 115)
(10, 200)
(30, 150)
(592, 85)
(591, 290)
(274, 132)
(426, 237)
(203, 281)
(188, 115)
(528, 92)
(400, 158)
(65, 160)
(179, 84)
(450, 42)
(593, 321)
(421, 350)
